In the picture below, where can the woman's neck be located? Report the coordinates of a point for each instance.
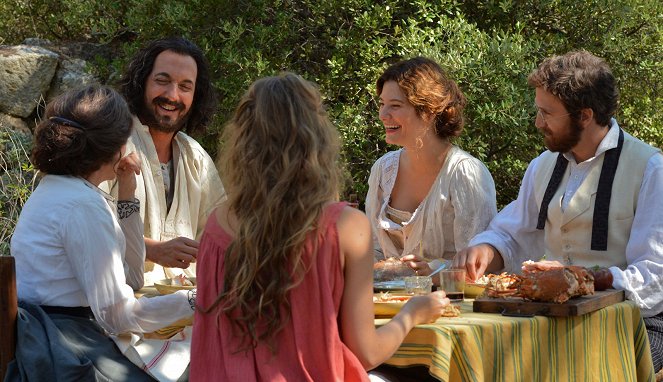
(429, 157)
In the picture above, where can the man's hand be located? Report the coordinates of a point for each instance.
(176, 253)
(477, 259)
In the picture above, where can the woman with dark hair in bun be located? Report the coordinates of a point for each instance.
(426, 200)
(79, 252)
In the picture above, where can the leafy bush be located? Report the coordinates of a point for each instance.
(489, 47)
(17, 179)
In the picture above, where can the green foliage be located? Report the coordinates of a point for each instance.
(489, 47)
(16, 181)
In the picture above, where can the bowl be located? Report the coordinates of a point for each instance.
(390, 307)
(166, 286)
(473, 290)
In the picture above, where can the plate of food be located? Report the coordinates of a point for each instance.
(168, 286)
(387, 304)
(475, 289)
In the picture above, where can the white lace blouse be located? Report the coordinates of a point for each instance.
(460, 204)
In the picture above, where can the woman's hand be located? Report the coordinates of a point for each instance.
(127, 168)
(427, 308)
(419, 264)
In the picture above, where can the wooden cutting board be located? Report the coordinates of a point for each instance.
(516, 306)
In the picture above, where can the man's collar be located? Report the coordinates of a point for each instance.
(610, 141)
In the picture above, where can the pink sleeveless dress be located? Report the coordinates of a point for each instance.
(309, 347)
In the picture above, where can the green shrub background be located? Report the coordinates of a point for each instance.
(489, 47)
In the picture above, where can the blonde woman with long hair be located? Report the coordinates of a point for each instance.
(284, 286)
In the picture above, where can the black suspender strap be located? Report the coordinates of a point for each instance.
(603, 194)
(553, 184)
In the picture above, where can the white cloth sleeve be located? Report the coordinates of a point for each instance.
(643, 277)
(373, 205)
(92, 240)
(134, 256)
(472, 191)
(513, 231)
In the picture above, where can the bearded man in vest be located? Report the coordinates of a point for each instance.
(590, 200)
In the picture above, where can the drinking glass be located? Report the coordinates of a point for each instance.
(418, 285)
(452, 282)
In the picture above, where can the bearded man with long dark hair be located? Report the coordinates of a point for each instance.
(167, 86)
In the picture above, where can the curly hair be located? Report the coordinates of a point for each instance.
(82, 130)
(427, 87)
(580, 80)
(132, 83)
(281, 167)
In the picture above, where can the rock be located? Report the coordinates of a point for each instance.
(13, 123)
(44, 43)
(25, 75)
(70, 74)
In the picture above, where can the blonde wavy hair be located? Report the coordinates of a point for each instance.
(280, 167)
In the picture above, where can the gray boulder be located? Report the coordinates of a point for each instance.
(70, 74)
(25, 75)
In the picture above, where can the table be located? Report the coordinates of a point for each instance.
(610, 344)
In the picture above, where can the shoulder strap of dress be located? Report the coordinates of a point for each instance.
(331, 212)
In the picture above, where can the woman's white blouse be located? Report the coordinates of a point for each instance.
(460, 204)
(69, 250)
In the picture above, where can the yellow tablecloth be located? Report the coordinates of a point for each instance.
(610, 344)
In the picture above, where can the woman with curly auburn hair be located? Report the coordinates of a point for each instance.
(284, 287)
(426, 200)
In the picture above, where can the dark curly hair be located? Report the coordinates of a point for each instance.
(82, 129)
(132, 83)
(427, 87)
(580, 80)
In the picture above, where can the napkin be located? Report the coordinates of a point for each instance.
(165, 360)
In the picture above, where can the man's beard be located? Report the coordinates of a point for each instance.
(563, 142)
(164, 124)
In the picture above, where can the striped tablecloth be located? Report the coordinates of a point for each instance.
(607, 345)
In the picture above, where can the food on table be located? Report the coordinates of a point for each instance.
(388, 297)
(501, 285)
(555, 284)
(451, 311)
(473, 290)
(546, 281)
(544, 265)
(386, 304)
(391, 269)
(181, 280)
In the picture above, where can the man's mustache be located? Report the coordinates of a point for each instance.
(166, 101)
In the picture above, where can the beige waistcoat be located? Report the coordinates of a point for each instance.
(568, 234)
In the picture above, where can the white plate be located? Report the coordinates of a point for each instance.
(389, 285)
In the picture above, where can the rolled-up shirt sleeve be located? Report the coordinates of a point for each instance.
(95, 244)
(642, 280)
